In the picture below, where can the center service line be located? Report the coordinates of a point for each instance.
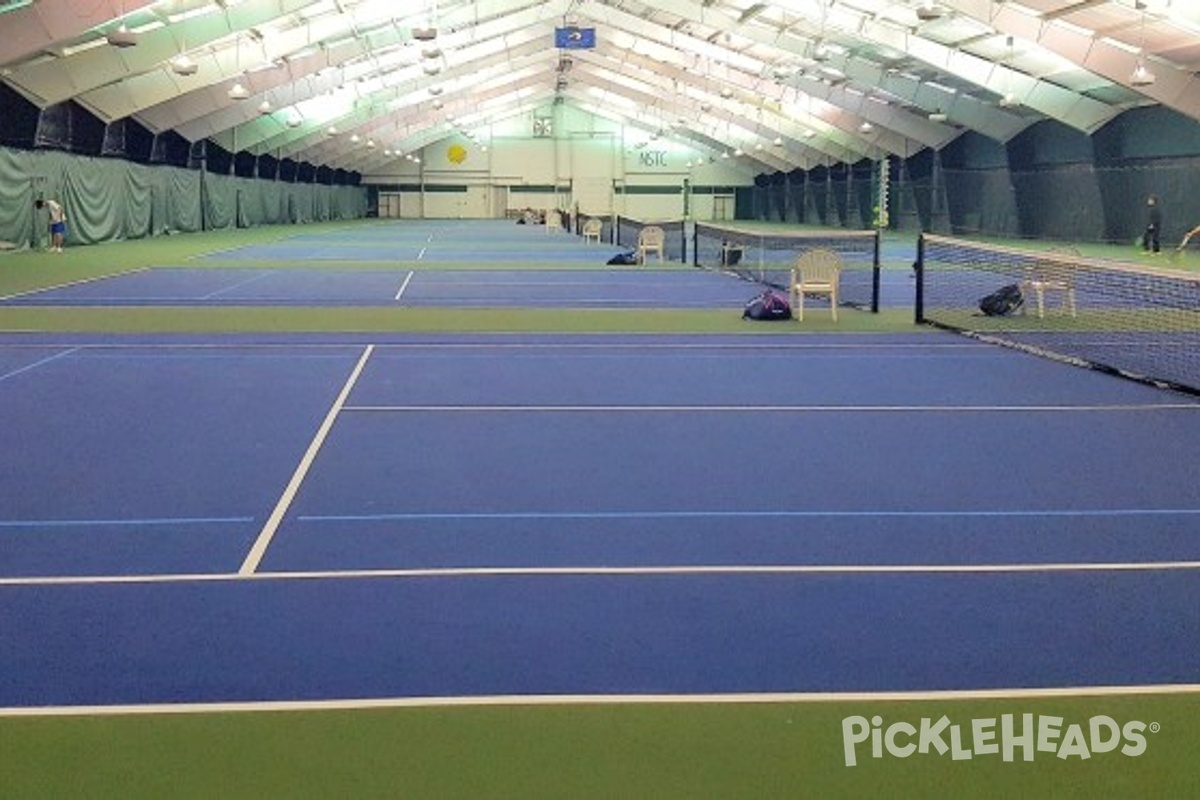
(404, 285)
(259, 549)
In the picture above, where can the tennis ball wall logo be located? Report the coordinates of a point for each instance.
(1030, 735)
(456, 154)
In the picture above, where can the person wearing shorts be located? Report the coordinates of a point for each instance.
(58, 224)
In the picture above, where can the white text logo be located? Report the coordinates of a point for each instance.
(1005, 737)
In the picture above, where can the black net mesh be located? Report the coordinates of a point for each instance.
(675, 241)
(1140, 322)
(767, 257)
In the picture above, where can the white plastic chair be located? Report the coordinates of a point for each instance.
(553, 221)
(1049, 277)
(592, 230)
(651, 239)
(816, 272)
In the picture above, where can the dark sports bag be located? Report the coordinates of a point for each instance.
(768, 306)
(624, 258)
(1004, 300)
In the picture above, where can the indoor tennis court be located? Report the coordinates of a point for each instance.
(526, 399)
(233, 521)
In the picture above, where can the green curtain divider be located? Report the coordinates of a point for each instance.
(111, 200)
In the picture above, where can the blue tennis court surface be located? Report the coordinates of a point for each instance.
(453, 264)
(454, 515)
(433, 243)
(626, 287)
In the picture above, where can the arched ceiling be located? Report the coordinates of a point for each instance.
(785, 84)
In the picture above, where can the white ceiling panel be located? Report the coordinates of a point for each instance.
(807, 73)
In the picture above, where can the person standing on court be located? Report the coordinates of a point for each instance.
(58, 223)
(1151, 238)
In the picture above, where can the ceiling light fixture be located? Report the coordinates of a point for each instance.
(927, 12)
(122, 37)
(1009, 100)
(427, 32)
(238, 91)
(182, 65)
(937, 115)
(1142, 76)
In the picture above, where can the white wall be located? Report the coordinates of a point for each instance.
(595, 163)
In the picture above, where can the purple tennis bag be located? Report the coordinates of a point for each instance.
(768, 306)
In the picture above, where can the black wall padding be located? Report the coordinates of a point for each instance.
(244, 164)
(68, 126)
(796, 182)
(218, 160)
(126, 139)
(172, 149)
(20, 119)
(268, 167)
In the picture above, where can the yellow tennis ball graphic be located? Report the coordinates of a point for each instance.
(456, 153)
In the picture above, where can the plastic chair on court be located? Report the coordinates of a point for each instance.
(651, 239)
(816, 273)
(1048, 277)
(731, 253)
(592, 230)
(553, 221)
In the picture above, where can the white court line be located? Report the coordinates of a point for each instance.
(259, 549)
(238, 285)
(79, 282)
(613, 699)
(536, 572)
(404, 285)
(751, 342)
(421, 254)
(747, 698)
(787, 409)
(38, 363)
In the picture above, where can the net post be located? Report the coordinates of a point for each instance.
(919, 269)
(875, 271)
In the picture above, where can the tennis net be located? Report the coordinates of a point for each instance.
(767, 257)
(1139, 322)
(674, 233)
